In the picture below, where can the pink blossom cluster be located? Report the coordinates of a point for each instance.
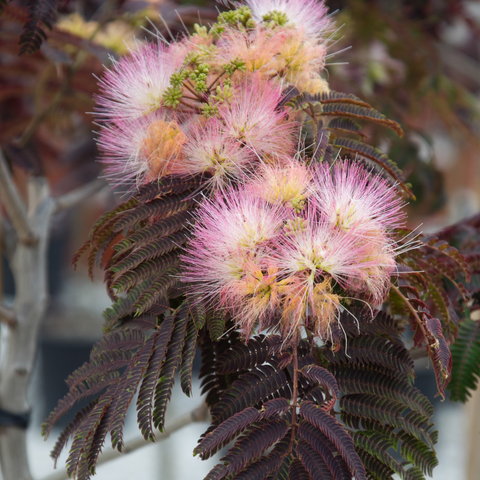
(276, 243)
(208, 103)
(292, 247)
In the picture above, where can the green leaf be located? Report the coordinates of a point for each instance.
(466, 361)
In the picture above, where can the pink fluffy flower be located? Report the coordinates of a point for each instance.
(350, 197)
(317, 250)
(227, 259)
(252, 118)
(208, 150)
(134, 85)
(311, 258)
(286, 183)
(310, 14)
(258, 48)
(142, 150)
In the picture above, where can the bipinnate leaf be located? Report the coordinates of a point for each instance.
(277, 406)
(85, 433)
(216, 324)
(417, 453)
(387, 411)
(39, 12)
(153, 231)
(68, 431)
(297, 471)
(170, 184)
(377, 445)
(325, 379)
(466, 361)
(304, 99)
(127, 389)
(367, 323)
(101, 230)
(226, 431)
(345, 125)
(445, 250)
(173, 358)
(88, 463)
(146, 270)
(376, 350)
(242, 356)
(262, 468)
(383, 382)
(197, 311)
(250, 389)
(375, 467)
(150, 251)
(439, 353)
(124, 305)
(188, 356)
(313, 462)
(86, 389)
(252, 444)
(157, 291)
(156, 210)
(150, 379)
(335, 432)
(322, 445)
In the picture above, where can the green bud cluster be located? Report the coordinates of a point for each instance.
(209, 110)
(199, 76)
(240, 18)
(172, 96)
(223, 93)
(234, 65)
(275, 19)
(201, 31)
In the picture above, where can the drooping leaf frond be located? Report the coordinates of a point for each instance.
(39, 12)
(466, 361)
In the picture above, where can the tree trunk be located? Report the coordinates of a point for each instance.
(19, 343)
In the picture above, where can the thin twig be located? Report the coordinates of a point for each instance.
(14, 204)
(76, 196)
(216, 80)
(7, 316)
(198, 415)
(412, 310)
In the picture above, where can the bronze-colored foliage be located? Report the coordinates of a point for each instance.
(275, 402)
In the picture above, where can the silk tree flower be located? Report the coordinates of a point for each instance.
(286, 183)
(314, 256)
(317, 250)
(252, 118)
(258, 48)
(285, 55)
(351, 198)
(227, 260)
(208, 150)
(134, 85)
(310, 14)
(142, 150)
(300, 58)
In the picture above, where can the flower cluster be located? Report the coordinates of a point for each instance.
(208, 104)
(294, 245)
(278, 242)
